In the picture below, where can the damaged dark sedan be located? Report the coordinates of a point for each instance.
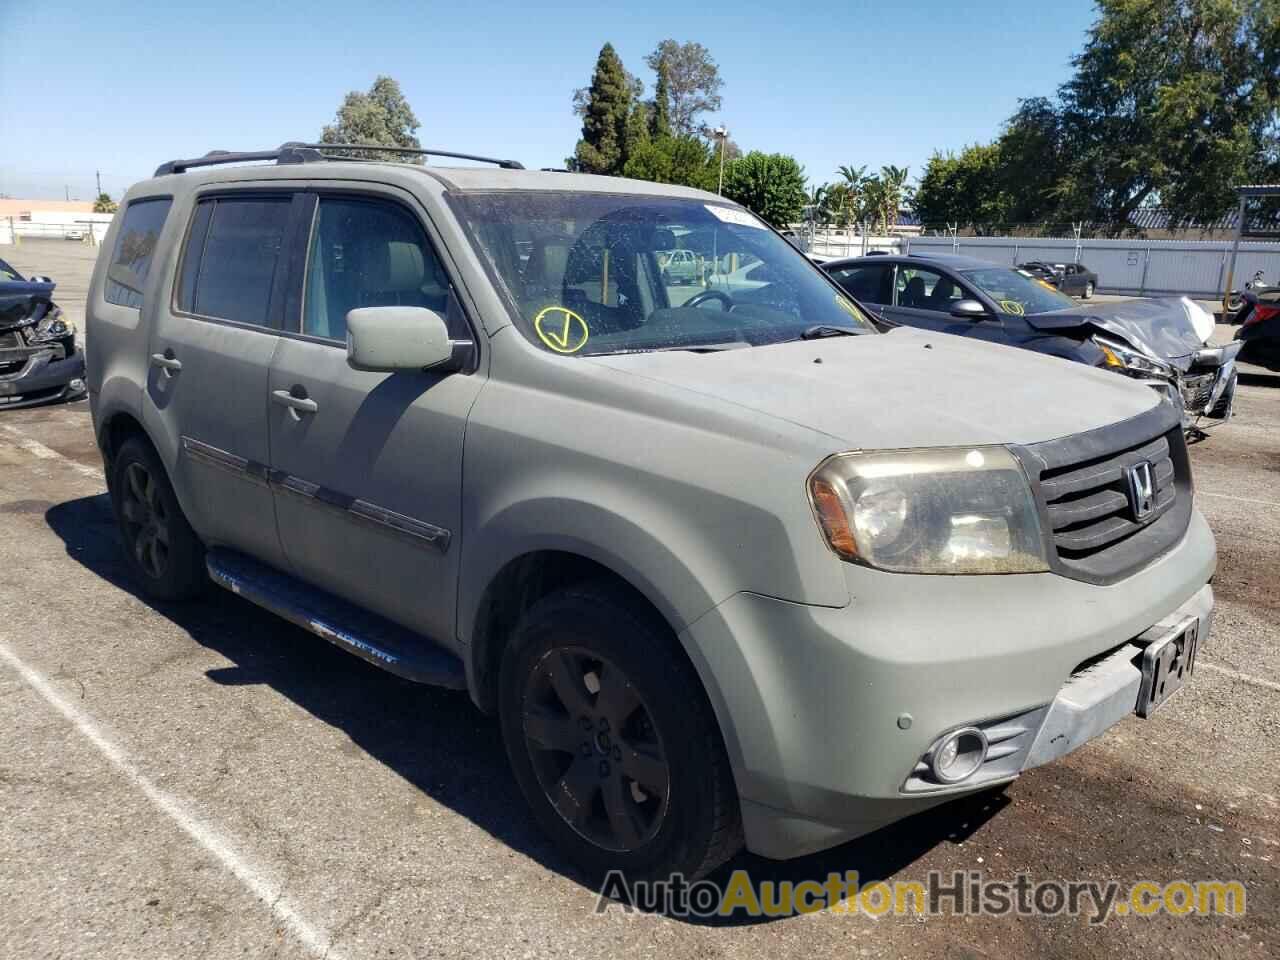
(1164, 342)
(40, 361)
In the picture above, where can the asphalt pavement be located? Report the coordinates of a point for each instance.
(205, 780)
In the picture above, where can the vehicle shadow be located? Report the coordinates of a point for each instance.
(436, 739)
(1251, 379)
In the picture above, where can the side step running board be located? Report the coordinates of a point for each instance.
(368, 636)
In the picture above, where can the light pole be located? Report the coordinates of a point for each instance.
(722, 134)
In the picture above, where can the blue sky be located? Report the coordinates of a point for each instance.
(121, 87)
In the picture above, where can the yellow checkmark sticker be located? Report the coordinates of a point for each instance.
(561, 329)
(848, 308)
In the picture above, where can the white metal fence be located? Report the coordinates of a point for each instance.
(91, 228)
(1197, 268)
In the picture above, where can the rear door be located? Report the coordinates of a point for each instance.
(871, 284)
(368, 466)
(211, 347)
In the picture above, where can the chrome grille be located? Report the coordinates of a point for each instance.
(1197, 390)
(1082, 484)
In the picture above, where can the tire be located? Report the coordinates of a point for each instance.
(681, 814)
(162, 550)
(1088, 290)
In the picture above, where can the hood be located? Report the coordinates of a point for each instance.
(24, 301)
(1171, 329)
(906, 388)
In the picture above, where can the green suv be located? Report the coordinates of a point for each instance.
(736, 568)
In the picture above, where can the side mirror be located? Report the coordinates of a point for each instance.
(969, 310)
(386, 339)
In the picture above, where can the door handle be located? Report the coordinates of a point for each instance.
(166, 361)
(286, 399)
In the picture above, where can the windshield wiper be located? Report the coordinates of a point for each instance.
(821, 330)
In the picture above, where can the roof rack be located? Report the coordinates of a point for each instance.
(294, 152)
(412, 151)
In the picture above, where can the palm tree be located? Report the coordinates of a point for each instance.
(852, 193)
(893, 192)
(104, 204)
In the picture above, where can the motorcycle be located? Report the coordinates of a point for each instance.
(1259, 333)
(1236, 298)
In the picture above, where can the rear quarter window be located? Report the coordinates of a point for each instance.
(135, 248)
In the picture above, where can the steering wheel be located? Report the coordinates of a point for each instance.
(698, 299)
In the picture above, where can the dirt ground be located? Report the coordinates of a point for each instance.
(208, 781)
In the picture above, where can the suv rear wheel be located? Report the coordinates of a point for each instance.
(612, 740)
(166, 555)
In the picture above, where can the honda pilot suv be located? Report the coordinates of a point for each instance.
(730, 567)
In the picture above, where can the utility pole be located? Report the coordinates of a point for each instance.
(723, 135)
(66, 191)
(98, 175)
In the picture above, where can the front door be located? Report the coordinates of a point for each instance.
(924, 298)
(211, 347)
(367, 467)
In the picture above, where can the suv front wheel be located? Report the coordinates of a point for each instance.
(163, 551)
(613, 742)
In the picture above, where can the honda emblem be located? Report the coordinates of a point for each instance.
(1142, 489)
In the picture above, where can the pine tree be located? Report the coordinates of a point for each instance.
(636, 137)
(660, 116)
(604, 125)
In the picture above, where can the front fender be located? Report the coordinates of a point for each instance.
(654, 568)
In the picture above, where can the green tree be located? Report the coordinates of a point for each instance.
(381, 116)
(660, 115)
(772, 185)
(636, 134)
(606, 109)
(885, 194)
(1175, 101)
(967, 188)
(694, 83)
(688, 161)
(104, 204)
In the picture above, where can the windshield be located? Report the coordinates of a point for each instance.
(1017, 293)
(600, 273)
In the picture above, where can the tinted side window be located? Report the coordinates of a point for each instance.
(230, 268)
(370, 253)
(923, 289)
(135, 246)
(868, 284)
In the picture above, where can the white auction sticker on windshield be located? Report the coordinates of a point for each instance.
(730, 215)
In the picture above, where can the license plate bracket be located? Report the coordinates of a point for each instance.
(1167, 663)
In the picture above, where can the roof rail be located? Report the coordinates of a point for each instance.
(294, 152)
(412, 151)
(286, 153)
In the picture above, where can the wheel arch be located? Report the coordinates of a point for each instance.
(533, 574)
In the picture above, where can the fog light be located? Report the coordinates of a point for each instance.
(76, 385)
(958, 755)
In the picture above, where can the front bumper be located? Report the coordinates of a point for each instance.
(1208, 387)
(41, 378)
(827, 712)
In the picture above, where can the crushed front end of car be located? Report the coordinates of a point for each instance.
(40, 360)
(1164, 343)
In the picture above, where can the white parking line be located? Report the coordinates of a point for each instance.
(1227, 496)
(41, 452)
(271, 893)
(1242, 677)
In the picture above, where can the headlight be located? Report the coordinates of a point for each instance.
(1118, 356)
(51, 327)
(946, 511)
